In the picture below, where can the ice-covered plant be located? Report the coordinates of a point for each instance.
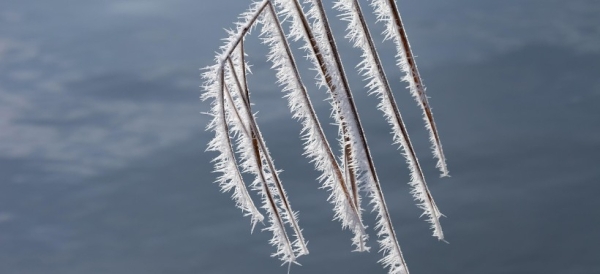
(242, 149)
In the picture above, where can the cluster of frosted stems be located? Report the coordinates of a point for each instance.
(345, 175)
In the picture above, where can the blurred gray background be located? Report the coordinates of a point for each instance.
(103, 169)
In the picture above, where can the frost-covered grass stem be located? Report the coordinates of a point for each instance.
(262, 149)
(377, 83)
(389, 244)
(226, 163)
(316, 145)
(285, 249)
(387, 11)
(302, 29)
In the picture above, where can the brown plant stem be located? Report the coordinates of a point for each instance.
(414, 72)
(343, 126)
(231, 153)
(262, 176)
(261, 147)
(240, 36)
(362, 138)
(389, 97)
(313, 116)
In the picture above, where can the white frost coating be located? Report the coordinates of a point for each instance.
(292, 12)
(232, 116)
(387, 13)
(316, 146)
(266, 173)
(270, 172)
(225, 162)
(377, 84)
(264, 181)
(224, 112)
(263, 184)
(243, 27)
(364, 167)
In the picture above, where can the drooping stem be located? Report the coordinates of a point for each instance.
(378, 83)
(238, 37)
(228, 164)
(397, 260)
(395, 29)
(301, 106)
(324, 70)
(270, 200)
(262, 149)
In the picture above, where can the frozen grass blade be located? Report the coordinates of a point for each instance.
(387, 12)
(254, 164)
(301, 29)
(217, 88)
(288, 215)
(372, 69)
(393, 258)
(316, 146)
(226, 162)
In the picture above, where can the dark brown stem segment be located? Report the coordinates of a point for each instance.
(405, 139)
(243, 65)
(259, 143)
(414, 74)
(362, 142)
(244, 92)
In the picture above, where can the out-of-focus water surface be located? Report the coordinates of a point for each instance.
(103, 169)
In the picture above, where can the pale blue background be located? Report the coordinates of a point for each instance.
(103, 170)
